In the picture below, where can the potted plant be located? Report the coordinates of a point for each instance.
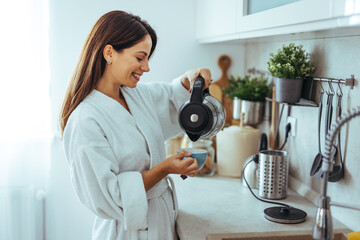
(248, 94)
(289, 65)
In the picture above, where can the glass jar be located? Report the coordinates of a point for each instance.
(173, 144)
(209, 167)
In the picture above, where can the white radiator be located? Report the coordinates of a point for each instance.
(22, 213)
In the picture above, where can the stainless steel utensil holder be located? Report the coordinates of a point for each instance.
(273, 174)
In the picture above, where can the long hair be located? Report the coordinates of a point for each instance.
(120, 30)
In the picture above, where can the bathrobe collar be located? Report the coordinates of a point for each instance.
(139, 115)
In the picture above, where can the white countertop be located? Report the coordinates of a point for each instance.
(219, 204)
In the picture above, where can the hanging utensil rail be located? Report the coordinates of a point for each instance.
(348, 81)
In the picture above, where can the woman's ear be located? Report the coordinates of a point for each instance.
(108, 53)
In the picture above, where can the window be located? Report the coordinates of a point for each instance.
(24, 97)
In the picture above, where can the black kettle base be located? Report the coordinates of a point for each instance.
(285, 215)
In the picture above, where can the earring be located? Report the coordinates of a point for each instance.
(108, 62)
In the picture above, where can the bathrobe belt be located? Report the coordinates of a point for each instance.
(155, 192)
(161, 187)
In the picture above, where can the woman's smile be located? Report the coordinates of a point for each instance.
(136, 76)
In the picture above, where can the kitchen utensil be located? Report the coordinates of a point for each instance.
(273, 174)
(250, 171)
(329, 109)
(199, 154)
(328, 118)
(318, 158)
(338, 170)
(224, 63)
(202, 115)
(234, 145)
(334, 148)
(216, 91)
(284, 214)
(274, 136)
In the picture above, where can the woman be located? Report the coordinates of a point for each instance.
(114, 130)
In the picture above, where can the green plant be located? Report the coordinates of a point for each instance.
(248, 88)
(290, 62)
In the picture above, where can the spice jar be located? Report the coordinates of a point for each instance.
(209, 167)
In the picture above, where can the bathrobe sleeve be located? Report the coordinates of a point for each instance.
(97, 179)
(167, 99)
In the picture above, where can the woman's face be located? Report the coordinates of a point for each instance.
(128, 65)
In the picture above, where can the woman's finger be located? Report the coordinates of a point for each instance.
(191, 164)
(191, 173)
(206, 74)
(188, 162)
(182, 154)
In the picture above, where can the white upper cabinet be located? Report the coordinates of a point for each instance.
(345, 7)
(224, 20)
(301, 11)
(216, 17)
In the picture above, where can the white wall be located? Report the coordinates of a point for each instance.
(177, 51)
(337, 58)
(174, 22)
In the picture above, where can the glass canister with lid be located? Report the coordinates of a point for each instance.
(209, 167)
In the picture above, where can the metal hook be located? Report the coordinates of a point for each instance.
(331, 87)
(325, 80)
(341, 93)
(321, 86)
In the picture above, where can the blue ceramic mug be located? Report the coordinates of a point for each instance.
(199, 154)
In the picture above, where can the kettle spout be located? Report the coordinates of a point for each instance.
(193, 137)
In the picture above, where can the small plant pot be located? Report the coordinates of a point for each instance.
(254, 111)
(288, 90)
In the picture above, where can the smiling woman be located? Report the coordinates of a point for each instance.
(114, 129)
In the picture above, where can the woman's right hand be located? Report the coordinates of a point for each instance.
(189, 77)
(175, 164)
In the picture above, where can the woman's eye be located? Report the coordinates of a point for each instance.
(139, 59)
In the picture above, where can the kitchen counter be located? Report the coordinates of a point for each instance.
(219, 204)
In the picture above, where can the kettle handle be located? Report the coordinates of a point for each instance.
(263, 145)
(206, 91)
(197, 90)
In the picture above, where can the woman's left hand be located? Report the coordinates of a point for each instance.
(189, 77)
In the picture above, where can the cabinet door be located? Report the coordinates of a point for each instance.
(345, 7)
(298, 12)
(215, 18)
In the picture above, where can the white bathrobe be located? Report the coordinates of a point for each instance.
(108, 148)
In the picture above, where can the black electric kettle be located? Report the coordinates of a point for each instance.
(203, 115)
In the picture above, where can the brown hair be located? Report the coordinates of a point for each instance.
(116, 28)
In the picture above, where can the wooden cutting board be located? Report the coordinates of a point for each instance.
(216, 91)
(216, 88)
(224, 63)
(274, 136)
